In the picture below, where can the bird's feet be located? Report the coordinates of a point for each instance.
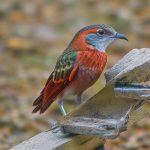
(79, 99)
(54, 125)
(61, 106)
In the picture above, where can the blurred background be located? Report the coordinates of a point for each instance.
(33, 33)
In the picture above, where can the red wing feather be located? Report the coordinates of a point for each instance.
(51, 91)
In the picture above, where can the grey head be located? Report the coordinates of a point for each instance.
(103, 36)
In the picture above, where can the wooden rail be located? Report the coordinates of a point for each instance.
(120, 103)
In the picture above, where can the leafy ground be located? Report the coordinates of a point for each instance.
(32, 36)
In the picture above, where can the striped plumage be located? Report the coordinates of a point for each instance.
(77, 68)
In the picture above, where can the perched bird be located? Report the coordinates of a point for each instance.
(79, 66)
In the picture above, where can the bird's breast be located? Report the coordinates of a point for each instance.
(91, 63)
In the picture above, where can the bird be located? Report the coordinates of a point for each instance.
(78, 67)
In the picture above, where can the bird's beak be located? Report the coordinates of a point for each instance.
(120, 36)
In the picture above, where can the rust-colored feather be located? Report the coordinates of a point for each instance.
(65, 71)
(62, 75)
(50, 92)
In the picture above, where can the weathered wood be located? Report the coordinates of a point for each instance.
(109, 111)
(105, 115)
(54, 139)
(133, 67)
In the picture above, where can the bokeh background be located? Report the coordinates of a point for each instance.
(33, 33)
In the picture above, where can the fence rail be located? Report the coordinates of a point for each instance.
(120, 103)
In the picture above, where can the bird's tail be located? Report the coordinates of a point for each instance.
(48, 95)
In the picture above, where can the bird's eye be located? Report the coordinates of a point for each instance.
(101, 32)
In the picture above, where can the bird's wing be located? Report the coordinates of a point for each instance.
(64, 72)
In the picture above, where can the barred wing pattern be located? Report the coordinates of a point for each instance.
(64, 72)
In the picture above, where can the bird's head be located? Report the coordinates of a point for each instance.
(95, 37)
